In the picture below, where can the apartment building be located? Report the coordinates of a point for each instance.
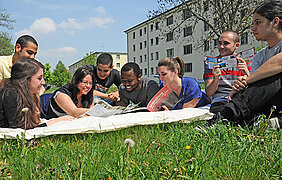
(119, 59)
(152, 40)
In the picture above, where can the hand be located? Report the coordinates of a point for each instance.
(114, 96)
(165, 108)
(231, 94)
(240, 83)
(242, 66)
(216, 71)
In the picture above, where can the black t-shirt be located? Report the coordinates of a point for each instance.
(103, 85)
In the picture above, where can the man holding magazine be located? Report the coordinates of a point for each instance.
(260, 92)
(218, 82)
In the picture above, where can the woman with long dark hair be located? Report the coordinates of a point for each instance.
(74, 98)
(19, 99)
(171, 71)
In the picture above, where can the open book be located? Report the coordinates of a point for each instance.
(226, 62)
(165, 96)
(103, 109)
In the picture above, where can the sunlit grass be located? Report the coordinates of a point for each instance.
(163, 151)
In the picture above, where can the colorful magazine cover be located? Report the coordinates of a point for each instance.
(226, 62)
(166, 97)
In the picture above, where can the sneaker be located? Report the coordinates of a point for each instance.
(211, 123)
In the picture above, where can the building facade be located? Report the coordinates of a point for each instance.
(152, 40)
(119, 59)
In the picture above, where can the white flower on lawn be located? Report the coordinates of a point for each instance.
(129, 142)
(25, 109)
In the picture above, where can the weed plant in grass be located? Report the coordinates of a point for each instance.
(163, 151)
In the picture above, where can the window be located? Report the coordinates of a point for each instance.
(140, 59)
(152, 56)
(140, 32)
(244, 38)
(188, 49)
(157, 40)
(186, 14)
(141, 70)
(118, 56)
(215, 42)
(157, 71)
(145, 30)
(152, 27)
(152, 42)
(133, 47)
(169, 37)
(134, 59)
(145, 44)
(152, 70)
(188, 67)
(133, 35)
(206, 45)
(170, 52)
(169, 20)
(206, 27)
(118, 65)
(145, 73)
(157, 25)
(140, 45)
(145, 58)
(157, 56)
(188, 31)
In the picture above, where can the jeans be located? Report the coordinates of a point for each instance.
(257, 99)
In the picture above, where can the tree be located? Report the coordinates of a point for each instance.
(6, 47)
(216, 15)
(61, 75)
(5, 19)
(90, 58)
(48, 77)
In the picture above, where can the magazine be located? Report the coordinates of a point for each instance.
(103, 109)
(226, 62)
(166, 97)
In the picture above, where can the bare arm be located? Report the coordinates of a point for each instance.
(65, 102)
(271, 67)
(211, 85)
(59, 119)
(191, 104)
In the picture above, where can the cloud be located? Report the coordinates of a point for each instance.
(100, 22)
(70, 24)
(100, 9)
(42, 26)
(59, 52)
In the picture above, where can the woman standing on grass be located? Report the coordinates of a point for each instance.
(19, 99)
(74, 98)
(171, 71)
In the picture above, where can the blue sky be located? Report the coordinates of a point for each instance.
(68, 29)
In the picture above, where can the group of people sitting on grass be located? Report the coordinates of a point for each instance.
(236, 94)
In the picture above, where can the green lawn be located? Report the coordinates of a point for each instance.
(164, 151)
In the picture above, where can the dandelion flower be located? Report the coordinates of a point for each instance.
(1, 162)
(129, 142)
(131, 161)
(25, 109)
(187, 147)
